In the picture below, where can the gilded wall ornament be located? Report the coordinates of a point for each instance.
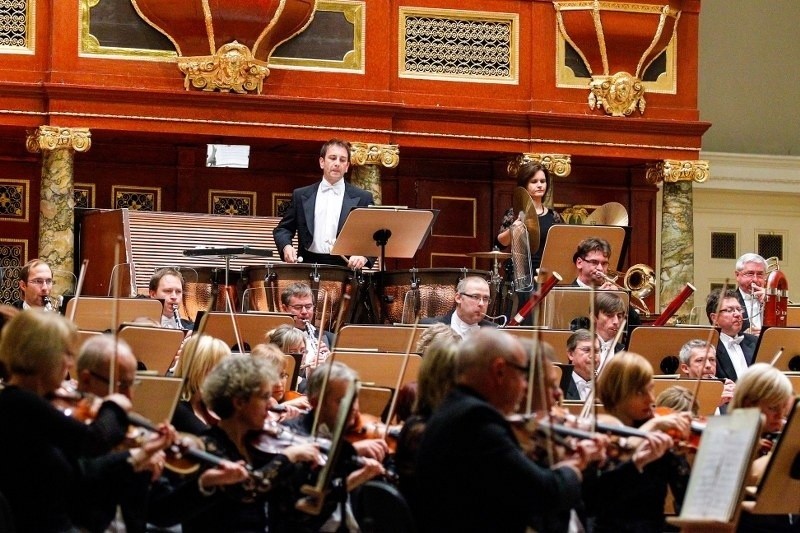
(559, 165)
(619, 95)
(673, 171)
(387, 155)
(232, 68)
(46, 138)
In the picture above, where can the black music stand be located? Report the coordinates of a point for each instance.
(398, 232)
(227, 252)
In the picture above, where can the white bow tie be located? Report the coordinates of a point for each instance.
(325, 187)
(736, 340)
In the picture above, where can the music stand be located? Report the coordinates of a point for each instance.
(661, 344)
(397, 232)
(563, 239)
(772, 339)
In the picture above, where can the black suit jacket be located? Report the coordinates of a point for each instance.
(725, 365)
(446, 319)
(299, 219)
(473, 475)
(571, 392)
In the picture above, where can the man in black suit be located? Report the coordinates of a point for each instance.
(579, 353)
(734, 352)
(473, 474)
(318, 212)
(472, 299)
(699, 361)
(35, 284)
(751, 277)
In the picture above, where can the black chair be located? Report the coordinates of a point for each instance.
(6, 517)
(380, 508)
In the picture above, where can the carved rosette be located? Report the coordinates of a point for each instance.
(559, 165)
(232, 68)
(673, 171)
(47, 138)
(387, 155)
(619, 95)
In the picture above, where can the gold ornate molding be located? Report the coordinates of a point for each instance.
(673, 171)
(232, 68)
(559, 165)
(46, 138)
(619, 95)
(387, 155)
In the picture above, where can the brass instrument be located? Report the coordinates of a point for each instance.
(776, 297)
(639, 280)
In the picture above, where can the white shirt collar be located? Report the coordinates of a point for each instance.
(461, 327)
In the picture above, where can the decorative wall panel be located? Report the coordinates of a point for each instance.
(458, 45)
(458, 215)
(13, 254)
(14, 200)
(17, 26)
(136, 198)
(231, 202)
(84, 194)
(113, 27)
(280, 203)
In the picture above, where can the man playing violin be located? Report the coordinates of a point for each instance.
(469, 446)
(751, 278)
(698, 360)
(735, 352)
(35, 284)
(94, 362)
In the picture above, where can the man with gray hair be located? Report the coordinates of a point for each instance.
(751, 277)
(698, 360)
(469, 445)
(472, 299)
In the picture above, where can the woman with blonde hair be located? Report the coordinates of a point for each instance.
(200, 355)
(298, 403)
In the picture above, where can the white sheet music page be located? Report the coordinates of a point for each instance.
(720, 467)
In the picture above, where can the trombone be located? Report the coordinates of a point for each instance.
(639, 280)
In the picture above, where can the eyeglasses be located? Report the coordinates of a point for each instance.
(752, 274)
(595, 262)
(301, 307)
(732, 310)
(40, 281)
(119, 384)
(524, 369)
(477, 297)
(284, 375)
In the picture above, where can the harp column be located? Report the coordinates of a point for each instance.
(677, 231)
(366, 160)
(56, 206)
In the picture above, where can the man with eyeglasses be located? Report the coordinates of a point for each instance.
(579, 353)
(94, 365)
(472, 299)
(735, 351)
(751, 277)
(35, 284)
(297, 299)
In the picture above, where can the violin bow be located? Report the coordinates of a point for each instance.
(78, 289)
(588, 405)
(777, 356)
(400, 377)
(112, 370)
(321, 327)
(696, 389)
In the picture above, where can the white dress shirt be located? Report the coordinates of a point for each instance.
(735, 353)
(327, 209)
(753, 308)
(582, 385)
(462, 328)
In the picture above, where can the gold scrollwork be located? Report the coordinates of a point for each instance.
(46, 138)
(387, 155)
(619, 95)
(672, 171)
(232, 68)
(560, 165)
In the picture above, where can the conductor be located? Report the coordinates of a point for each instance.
(318, 212)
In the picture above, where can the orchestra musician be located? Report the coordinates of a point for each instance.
(371, 452)
(735, 351)
(297, 299)
(767, 388)
(41, 445)
(288, 408)
(629, 497)
(591, 262)
(579, 353)
(201, 354)
(94, 362)
(471, 300)
(469, 459)
(609, 313)
(317, 212)
(238, 390)
(698, 360)
(35, 284)
(168, 284)
(751, 278)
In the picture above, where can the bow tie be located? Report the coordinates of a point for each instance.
(737, 339)
(325, 187)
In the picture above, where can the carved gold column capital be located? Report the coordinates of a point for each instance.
(48, 138)
(559, 165)
(673, 171)
(362, 154)
(232, 68)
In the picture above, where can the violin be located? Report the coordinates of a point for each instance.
(371, 427)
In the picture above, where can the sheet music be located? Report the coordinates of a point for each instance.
(721, 465)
